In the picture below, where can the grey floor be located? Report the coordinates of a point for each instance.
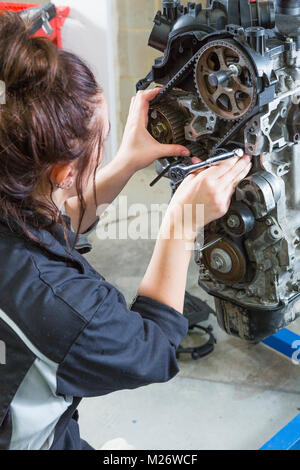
(237, 398)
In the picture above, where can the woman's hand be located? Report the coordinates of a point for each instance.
(212, 189)
(139, 149)
(165, 278)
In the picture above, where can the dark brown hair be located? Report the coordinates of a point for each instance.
(50, 117)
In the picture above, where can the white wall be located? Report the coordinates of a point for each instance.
(90, 32)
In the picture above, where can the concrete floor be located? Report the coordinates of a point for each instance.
(237, 398)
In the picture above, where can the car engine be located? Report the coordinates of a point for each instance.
(230, 74)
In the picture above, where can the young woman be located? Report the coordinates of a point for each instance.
(68, 333)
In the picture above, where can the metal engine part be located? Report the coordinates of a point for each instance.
(166, 125)
(231, 78)
(225, 79)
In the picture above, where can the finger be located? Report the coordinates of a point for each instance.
(198, 174)
(145, 96)
(132, 104)
(187, 182)
(218, 172)
(196, 160)
(233, 184)
(141, 105)
(137, 102)
(241, 176)
(220, 169)
(149, 95)
(234, 172)
(172, 150)
(131, 111)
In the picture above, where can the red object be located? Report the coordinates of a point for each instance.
(57, 22)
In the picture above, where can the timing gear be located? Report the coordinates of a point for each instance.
(166, 125)
(225, 79)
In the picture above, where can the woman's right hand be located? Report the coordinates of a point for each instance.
(212, 189)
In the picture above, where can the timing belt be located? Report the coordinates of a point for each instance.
(234, 129)
(185, 70)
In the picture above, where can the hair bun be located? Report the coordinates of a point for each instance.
(26, 62)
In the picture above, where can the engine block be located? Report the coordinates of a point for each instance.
(231, 78)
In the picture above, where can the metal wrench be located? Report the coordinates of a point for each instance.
(179, 172)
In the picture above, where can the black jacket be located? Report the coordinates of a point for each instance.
(65, 334)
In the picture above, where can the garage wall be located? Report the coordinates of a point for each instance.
(135, 58)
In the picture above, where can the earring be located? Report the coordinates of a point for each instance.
(67, 184)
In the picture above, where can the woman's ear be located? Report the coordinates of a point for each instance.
(60, 173)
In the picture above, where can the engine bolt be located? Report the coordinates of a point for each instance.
(233, 221)
(216, 264)
(275, 232)
(159, 130)
(220, 261)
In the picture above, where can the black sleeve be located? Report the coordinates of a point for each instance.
(122, 348)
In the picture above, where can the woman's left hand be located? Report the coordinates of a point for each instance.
(139, 149)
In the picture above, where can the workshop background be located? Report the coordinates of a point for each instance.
(240, 395)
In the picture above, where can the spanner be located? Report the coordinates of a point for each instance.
(179, 172)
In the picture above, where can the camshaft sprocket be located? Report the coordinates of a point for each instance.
(225, 79)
